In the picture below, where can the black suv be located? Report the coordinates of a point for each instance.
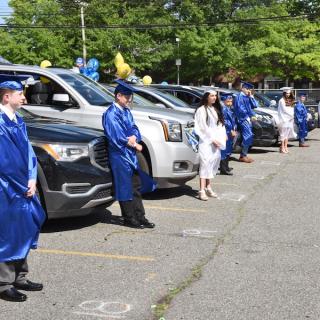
(74, 178)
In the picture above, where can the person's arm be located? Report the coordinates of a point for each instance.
(32, 170)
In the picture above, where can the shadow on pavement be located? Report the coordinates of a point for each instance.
(170, 193)
(101, 216)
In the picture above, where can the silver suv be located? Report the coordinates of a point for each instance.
(61, 93)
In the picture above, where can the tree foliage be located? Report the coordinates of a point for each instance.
(215, 36)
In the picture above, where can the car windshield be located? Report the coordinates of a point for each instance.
(138, 100)
(88, 88)
(176, 101)
(26, 114)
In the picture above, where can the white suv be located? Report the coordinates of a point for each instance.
(61, 93)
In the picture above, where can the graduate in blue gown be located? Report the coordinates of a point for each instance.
(243, 108)
(21, 215)
(123, 144)
(301, 119)
(230, 124)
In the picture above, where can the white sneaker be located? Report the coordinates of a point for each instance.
(202, 195)
(210, 193)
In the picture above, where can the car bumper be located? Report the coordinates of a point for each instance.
(77, 199)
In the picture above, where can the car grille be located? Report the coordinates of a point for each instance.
(78, 189)
(99, 153)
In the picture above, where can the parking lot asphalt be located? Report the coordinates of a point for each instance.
(254, 253)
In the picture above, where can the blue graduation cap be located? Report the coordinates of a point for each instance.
(124, 88)
(226, 96)
(12, 82)
(302, 94)
(247, 85)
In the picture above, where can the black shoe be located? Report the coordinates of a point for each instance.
(13, 294)
(229, 169)
(147, 224)
(29, 286)
(133, 223)
(226, 173)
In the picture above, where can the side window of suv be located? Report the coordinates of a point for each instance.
(187, 97)
(148, 97)
(42, 91)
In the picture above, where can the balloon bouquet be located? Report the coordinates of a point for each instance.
(124, 72)
(91, 70)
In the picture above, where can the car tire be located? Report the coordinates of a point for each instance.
(143, 163)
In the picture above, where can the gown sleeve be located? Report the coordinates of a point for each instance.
(32, 163)
(201, 127)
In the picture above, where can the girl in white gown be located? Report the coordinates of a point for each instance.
(209, 125)
(286, 119)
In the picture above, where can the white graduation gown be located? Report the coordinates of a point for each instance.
(286, 121)
(209, 154)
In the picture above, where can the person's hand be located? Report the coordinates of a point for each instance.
(32, 185)
(138, 147)
(132, 140)
(216, 144)
(233, 133)
(254, 118)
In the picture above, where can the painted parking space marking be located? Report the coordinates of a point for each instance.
(167, 208)
(96, 308)
(199, 233)
(97, 255)
(231, 196)
(253, 176)
(270, 163)
(217, 184)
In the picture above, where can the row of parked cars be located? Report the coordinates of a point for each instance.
(64, 122)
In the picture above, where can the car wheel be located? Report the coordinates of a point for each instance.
(143, 163)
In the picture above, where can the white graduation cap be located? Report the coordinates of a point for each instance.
(286, 89)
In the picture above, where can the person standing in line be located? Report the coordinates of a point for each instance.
(243, 108)
(209, 126)
(21, 215)
(301, 119)
(230, 124)
(286, 118)
(123, 143)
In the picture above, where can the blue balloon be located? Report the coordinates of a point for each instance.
(93, 63)
(165, 83)
(79, 60)
(95, 76)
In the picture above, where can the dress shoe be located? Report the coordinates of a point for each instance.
(210, 193)
(13, 294)
(202, 195)
(147, 224)
(246, 159)
(226, 173)
(133, 223)
(303, 145)
(29, 286)
(229, 169)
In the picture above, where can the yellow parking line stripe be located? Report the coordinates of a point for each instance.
(91, 254)
(166, 208)
(175, 209)
(217, 183)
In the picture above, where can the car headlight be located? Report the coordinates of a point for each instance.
(65, 152)
(172, 129)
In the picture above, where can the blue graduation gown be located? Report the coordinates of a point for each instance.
(20, 217)
(300, 115)
(230, 124)
(243, 109)
(118, 125)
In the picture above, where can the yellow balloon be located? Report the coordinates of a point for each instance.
(45, 64)
(147, 80)
(123, 70)
(118, 60)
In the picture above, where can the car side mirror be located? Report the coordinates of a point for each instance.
(62, 99)
(161, 105)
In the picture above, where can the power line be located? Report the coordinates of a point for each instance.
(155, 26)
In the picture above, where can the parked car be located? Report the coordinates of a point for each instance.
(264, 129)
(166, 155)
(74, 178)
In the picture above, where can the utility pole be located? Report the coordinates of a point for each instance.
(178, 61)
(84, 49)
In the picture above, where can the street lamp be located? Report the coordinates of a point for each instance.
(178, 61)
